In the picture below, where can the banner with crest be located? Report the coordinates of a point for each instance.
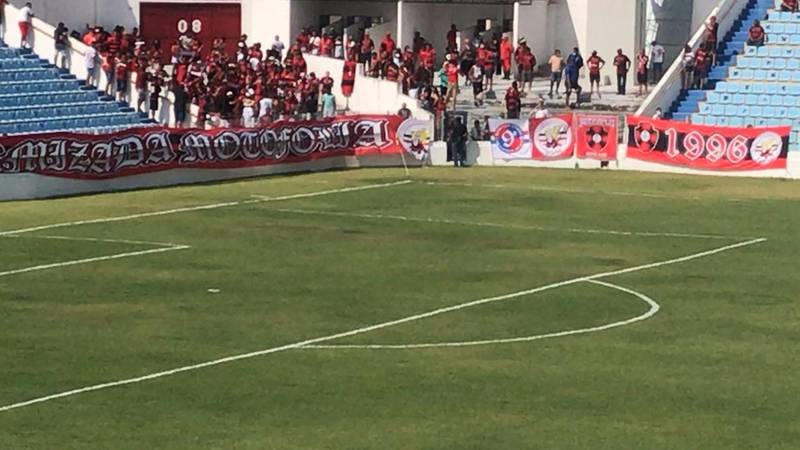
(707, 147)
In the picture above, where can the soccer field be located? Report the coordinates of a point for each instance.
(455, 309)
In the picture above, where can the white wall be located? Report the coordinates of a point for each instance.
(370, 96)
(480, 154)
(700, 11)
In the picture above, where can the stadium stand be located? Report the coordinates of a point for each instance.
(36, 97)
(752, 86)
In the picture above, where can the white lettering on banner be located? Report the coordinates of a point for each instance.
(102, 156)
(62, 154)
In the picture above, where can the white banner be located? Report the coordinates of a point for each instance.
(416, 136)
(511, 139)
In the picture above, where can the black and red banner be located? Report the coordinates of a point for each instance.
(707, 147)
(144, 150)
(596, 137)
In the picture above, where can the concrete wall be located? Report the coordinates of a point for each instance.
(480, 154)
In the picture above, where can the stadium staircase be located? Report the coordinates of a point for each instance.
(37, 97)
(752, 86)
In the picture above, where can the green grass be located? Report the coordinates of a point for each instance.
(716, 368)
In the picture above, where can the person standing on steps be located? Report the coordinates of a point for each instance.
(513, 101)
(25, 18)
(641, 71)
(556, 64)
(657, 53)
(623, 65)
(595, 63)
(572, 73)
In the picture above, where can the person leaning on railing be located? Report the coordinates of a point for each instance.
(687, 67)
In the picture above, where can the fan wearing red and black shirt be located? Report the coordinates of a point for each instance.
(326, 83)
(789, 5)
(756, 36)
(513, 102)
(623, 64)
(595, 63)
(452, 36)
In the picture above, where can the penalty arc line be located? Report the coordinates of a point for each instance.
(259, 199)
(654, 308)
(375, 327)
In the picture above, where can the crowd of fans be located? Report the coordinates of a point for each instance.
(243, 88)
(258, 84)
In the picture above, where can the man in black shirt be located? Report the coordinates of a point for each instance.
(458, 140)
(61, 39)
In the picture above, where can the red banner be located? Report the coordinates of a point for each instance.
(707, 147)
(552, 138)
(596, 137)
(144, 150)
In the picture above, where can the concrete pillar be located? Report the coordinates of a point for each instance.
(398, 36)
(516, 23)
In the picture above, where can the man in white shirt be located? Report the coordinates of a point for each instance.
(25, 18)
(657, 53)
(89, 60)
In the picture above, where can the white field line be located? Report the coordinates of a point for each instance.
(92, 260)
(375, 327)
(505, 225)
(88, 239)
(654, 308)
(260, 199)
(534, 187)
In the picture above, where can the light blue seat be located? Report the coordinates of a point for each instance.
(748, 74)
(779, 64)
(735, 73)
(761, 122)
(756, 111)
(777, 28)
(712, 97)
(787, 52)
(785, 76)
(769, 111)
(725, 98)
(794, 39)
(738, 99)
(736, 122)
(759, 88)
(763, 51)
(743, 110)
(705, 108)
(794, 112)
(790, 28)
(796, 76)
(723, 121)
(718, 110)
(767, 63)
(751, 99)
(751, 51)
(774, 52)
(698, 119)
(711, 120)
(781, 112)
(750, 121)
(730, 110)
(788, 100)
(763, 100)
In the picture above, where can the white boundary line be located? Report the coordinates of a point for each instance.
(259, 199)
(92, 260)
(506, 226)
(654, 308)
(379, 326)
(534, 187)
(87, 239)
